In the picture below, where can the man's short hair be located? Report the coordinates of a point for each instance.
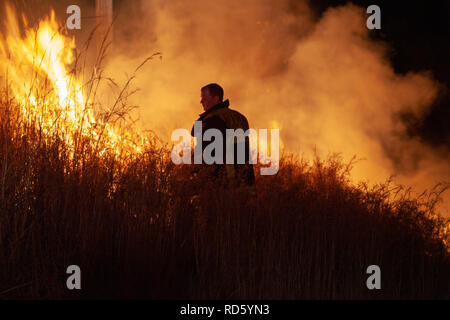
(214, 90)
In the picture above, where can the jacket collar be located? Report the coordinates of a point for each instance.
(220, 105)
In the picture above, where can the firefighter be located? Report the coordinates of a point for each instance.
(218, 115)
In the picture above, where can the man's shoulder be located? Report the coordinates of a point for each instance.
(241, 118)
(238, 113)
(211, 122)
(228, 111)
(214, 121)
(230, 117)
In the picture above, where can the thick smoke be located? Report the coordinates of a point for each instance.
(322, 80)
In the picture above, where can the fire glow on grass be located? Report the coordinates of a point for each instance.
(36, 63)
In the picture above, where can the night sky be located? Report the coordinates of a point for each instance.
(418, 36)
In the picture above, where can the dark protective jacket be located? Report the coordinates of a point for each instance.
(221, 117)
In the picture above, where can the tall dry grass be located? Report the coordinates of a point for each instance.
(141, 227)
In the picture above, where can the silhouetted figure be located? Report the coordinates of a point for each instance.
(219, 116)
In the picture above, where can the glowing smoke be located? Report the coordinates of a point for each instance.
(322, 79)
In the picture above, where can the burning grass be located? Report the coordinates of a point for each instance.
(75, 189)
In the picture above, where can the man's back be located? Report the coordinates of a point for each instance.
(221, 117)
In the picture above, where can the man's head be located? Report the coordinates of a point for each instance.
(212, 94)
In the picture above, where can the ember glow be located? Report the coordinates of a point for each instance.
(40, 68)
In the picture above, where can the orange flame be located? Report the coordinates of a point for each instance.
(37, 66)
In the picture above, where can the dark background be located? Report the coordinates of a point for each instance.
(418, 35)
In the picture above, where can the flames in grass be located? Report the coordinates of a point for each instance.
(39, 65)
